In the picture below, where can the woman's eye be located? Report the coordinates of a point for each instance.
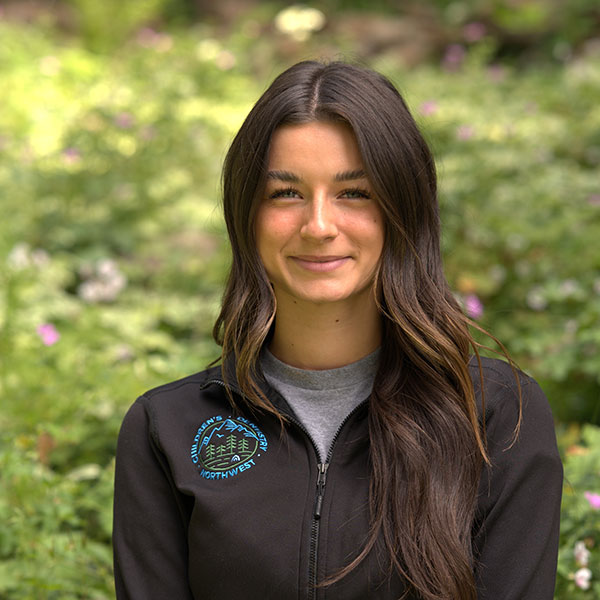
(356, 193)
(284, 193)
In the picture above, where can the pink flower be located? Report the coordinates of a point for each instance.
(147, 37)
(582, 578)
(48, 333)
(594, 199)
(465, 132)
(496, 73)
(593, 499)
(429, 107)
(124, 120)
(71, 155)
(148, 133)
(473, 32)
(473, 306)
(454, 57)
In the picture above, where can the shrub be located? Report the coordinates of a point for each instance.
(579, 558)
(112, 256)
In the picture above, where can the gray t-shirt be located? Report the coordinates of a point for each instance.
(321, 400)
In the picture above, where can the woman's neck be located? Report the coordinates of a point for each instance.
(325, 336)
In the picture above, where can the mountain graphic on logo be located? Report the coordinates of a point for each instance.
(229, 425)
(227, 444)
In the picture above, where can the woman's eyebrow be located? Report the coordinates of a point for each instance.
(292, 178)
(350, 175)
(284, 176)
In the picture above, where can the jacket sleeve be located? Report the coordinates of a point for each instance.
(149, 534)
(516, 537)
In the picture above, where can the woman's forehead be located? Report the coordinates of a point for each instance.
(298, 150)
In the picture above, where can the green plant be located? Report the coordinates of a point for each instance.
(579, 558)
(112, 256)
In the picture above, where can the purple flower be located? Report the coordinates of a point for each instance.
(429, 107)
(473, 32)
(454, 57)
(473, 306)
(71, 155)
(593, 499)
(148, 133)
(465, 132)
(496, 73)
(48, 333)
(594, 199)
(124, 120)
(147, 37)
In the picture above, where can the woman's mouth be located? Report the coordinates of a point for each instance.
(320, 264)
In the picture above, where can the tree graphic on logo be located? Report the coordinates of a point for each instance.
(231, 444)
(227, 444)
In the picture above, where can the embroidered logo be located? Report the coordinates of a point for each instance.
(225, 446)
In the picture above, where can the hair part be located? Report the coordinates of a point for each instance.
(426, 464)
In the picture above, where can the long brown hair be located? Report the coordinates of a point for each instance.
(427, 449)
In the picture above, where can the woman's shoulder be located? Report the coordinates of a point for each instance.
(515, 408)
(507, 391)
(497, 372)
(173, 404)
(174, 394)
(182, 385)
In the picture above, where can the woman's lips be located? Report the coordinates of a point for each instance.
(320, 264)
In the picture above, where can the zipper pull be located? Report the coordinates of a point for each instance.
(321, 479)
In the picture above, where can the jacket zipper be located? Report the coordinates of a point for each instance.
(316, 521)
(314, 531)
(321, 480)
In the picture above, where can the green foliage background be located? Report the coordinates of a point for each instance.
(111, 141)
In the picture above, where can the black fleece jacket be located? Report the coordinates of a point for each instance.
(212, 504)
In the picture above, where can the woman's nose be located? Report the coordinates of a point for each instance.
(320, 219)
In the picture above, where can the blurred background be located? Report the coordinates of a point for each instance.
(114, 120)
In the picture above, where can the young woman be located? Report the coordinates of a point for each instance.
(348, 446)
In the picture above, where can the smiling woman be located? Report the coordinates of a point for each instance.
(320, 234)
(351, 444)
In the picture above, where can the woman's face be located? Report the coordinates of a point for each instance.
(319, 229)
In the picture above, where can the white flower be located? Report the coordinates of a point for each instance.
(106, 268)
(225, 60)
(582, 554)
(19, 256)
(85, 473)
(568, 288)
(39, 258)
(23, 256)
(208, 49)
(299, 21)
(582, 578)
(103, 282)
(536, 300)
(49, 66)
